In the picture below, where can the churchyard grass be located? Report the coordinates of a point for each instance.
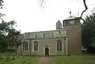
(73, 59)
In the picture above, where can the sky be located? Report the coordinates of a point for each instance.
(30, 17)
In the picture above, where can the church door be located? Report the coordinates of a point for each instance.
(46, 51)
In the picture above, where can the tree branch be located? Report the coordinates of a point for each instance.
(1, 1)
(41, 2)
(84, 1)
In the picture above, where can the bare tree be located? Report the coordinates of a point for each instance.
(41, 2)
(85, 5)
(1, 1)
(84, 2)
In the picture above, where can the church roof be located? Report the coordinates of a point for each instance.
(71, 18)
(46, 31)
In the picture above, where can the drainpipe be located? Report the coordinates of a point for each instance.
(64, 45)
(30, 46)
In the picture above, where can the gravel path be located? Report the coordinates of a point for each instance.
(44, 60)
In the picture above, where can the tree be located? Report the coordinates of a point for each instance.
(9, 36)
(3, 27)
(13, 38)
(88, 31)
(84, 2)
(1, 1)
(3, 31)
(3, 45)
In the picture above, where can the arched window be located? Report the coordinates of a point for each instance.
(59, 45)
(25, 46)
(35, 45)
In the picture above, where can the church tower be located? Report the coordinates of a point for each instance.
(73, 29)
(71, 22)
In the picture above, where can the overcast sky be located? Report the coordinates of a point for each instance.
(30, 17)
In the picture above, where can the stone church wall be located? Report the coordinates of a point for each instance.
(52, 45)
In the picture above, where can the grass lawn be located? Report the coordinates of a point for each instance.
(73, 59)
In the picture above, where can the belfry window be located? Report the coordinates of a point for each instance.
(35, 45)
(59, 45)
(66, 22)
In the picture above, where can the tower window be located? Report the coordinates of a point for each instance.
(66, 22)
(72, 22)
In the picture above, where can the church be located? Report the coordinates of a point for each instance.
(65, 40)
